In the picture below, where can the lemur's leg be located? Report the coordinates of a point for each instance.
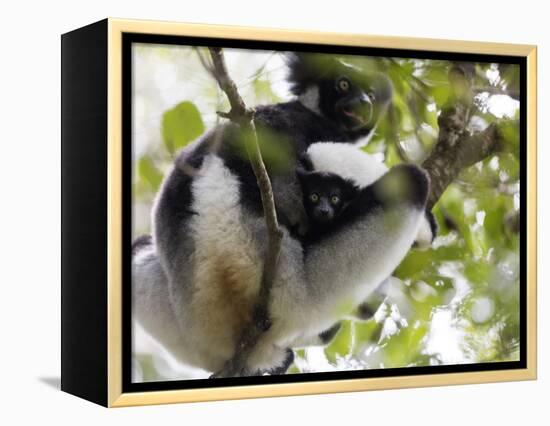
(284, 366)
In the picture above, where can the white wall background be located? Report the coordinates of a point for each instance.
(29, 212)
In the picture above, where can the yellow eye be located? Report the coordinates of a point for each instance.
(314, 197)
(344, 84)
(335, 199)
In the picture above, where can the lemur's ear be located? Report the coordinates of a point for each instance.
(304, 163)
(306, 69)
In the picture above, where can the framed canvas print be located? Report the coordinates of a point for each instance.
(250, 212)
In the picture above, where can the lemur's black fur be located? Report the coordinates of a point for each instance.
(325, 197)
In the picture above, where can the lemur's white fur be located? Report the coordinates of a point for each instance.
(347, 161)
(200, 314)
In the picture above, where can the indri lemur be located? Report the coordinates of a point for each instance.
(194, 283)
(325, 196)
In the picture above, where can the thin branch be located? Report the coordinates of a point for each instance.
(244, 117)
(208, 67)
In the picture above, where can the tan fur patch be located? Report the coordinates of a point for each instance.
(226, 287)
(227, 265)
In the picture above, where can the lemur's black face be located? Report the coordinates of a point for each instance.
(325, 195)
(349, 101)
(352, 98)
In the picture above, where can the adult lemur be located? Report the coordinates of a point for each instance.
(195, 281)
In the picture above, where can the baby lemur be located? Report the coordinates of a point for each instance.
(325, 197)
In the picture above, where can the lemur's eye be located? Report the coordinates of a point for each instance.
(314, 197)
(335, 199)
(371, 96)
(344, 85)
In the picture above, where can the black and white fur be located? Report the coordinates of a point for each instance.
(358, 170)
(354, 170)
(194, 283)
(199, 314)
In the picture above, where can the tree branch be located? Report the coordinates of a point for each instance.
(447, 161)
(456, 149)
(244, 117)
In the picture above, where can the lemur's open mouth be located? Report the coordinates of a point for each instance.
(357, 114)
(361, 119)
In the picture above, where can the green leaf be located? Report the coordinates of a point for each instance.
(181, 125)
(403, 348)
(264, 92)
(341, 345)
(510, 133)
(365, 333)
(440, 94)
(436, 74)
(149, 172)
(276, 149)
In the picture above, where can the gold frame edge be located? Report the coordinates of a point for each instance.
(114, 213)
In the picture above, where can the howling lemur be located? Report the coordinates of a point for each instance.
(194, 283)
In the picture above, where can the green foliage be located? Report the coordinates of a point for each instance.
(403, 349)
(181, 125)
(510, 134)
(263, 91)
(149, 173)
(342, 343)
(275, 147)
